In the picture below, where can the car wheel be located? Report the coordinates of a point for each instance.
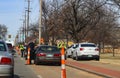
(59, 64)
(73, 57)
(12, 74)
(98, 59)
(76, 58)
(67, 55)
(36, 61)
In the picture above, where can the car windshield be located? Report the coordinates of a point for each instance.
(48, 48)
(2, 46)
(88, 45)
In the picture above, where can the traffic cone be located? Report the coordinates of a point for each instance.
(28, 57)
(63, 70)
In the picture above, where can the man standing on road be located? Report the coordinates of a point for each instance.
(22, 50)
(25, 51)
(31, 45)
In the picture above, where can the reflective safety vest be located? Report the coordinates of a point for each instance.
(21, 47)
(61, 44)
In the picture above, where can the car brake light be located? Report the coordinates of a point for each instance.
(5, 60)
(57, 55)
(41, 54)
(96, 49)
(81, 49)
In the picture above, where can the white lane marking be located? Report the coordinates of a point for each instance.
(39, 76)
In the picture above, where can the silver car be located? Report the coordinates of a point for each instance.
(6, 61)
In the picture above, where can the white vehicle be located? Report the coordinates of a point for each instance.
(10, 42)
(86, 51)
(70, 50)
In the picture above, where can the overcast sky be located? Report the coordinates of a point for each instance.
(11, 11)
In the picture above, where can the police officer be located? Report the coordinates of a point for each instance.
(31, 45)
(22, 50)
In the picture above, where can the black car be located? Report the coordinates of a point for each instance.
(47, 54)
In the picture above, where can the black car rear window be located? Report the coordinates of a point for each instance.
(48, 49)
(88, 45)
(2, 46)
(9, 45)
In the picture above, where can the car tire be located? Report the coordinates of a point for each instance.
(73, 57)
(98, 59)
(36, 62)
(68, 56)
(12, 74)
(59, 64)
(77, 58)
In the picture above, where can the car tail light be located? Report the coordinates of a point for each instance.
(81, 49)
(96, 49)
(5, 60)
(41, 54)
(57, 55)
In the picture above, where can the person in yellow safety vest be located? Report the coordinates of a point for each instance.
(60, 45)
(22, 50)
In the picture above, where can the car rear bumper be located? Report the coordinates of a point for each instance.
(89, 57)
(6, 70)
(49, 60)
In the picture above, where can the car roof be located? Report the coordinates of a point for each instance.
(87, 43)
(2, 40)
(48, 45)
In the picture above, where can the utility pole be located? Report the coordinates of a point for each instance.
(28, 12)
(25, 26)
(40, 21)
(22, 30)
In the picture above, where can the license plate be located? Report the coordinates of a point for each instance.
(89, 55)
(49, 55)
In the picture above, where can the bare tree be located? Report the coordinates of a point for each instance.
(3, 31)
(51, 21)
(79, 15)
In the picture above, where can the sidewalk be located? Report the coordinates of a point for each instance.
(111, 71)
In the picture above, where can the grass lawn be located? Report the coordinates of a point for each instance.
(109, 56)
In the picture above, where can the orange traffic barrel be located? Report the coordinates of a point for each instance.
(63, 70)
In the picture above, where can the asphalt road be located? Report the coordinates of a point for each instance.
(99, 69)
(21, 70)
(53, 71)
(46, 71)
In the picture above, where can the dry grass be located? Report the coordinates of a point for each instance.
(110, 56)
